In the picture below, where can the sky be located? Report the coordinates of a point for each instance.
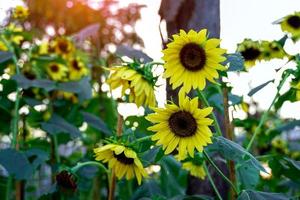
(239, 19)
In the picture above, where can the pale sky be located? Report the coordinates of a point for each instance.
(239, 19)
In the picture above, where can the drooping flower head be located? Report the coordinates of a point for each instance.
(66, 181)
(251, 51)
(291, 24)
(57, 71)
(20, 12)
(139, 80)
(123, 160)
(195, 169)
(191, 59)
(184, 127)
(272, 50)
(77, 69)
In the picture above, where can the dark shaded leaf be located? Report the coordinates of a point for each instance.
(123, 50)
(96, 122)
(36, 157)
(58, 124)
(148, 189)
(235, 61)
(16, 163)
(248, 175)
(5, 56)
(256, 89)
(26, 83)
(288, 126)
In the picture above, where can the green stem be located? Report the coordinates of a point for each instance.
(266, 113)
(219, 171)
(212, 182)
(55, 144)
(79, 165)
(141, 140)
(206, 103)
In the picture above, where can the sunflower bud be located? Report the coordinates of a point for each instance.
(66, 181)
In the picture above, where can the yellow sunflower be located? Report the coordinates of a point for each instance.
(191, 58)
(291, 24)
(141, 89)
(122, 160)
(20, 12)
(3, 47)
(68, 96)
(77, 69)
(272, 50)
(194, 169)
(251, 51)
(44, 48)
(15, 31)
(62, 46)
(297, 87)
(57, 71)
(184, 126)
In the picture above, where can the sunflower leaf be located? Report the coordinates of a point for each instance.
(96, 122)
(257, 195)
(5, 56)
(235, 61)
(256, 89)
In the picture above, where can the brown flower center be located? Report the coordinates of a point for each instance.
(54, 68)
(192, 57)
(294, 21)
(63, 46)
(123, 159)
(183, 124)
(251, 53)
(75, 65)
(66, 180)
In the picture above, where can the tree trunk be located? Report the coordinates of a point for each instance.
(197, 15)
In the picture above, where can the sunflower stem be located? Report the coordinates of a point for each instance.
(219, 171)
(94, 163)
(266, 113)
(206, 103)
(212, 182)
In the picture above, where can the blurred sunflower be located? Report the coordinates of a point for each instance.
(62, 46)
(57, 71)
(3, 47)
(291, 24)
(251, 51)
(141, 86)
(184, 126)
(15, 33)
(77, 69)
(122, 160)
(20, 12)
(43, 48)
(195, 170)
(272, 50)
(191, 58)
(68, 96)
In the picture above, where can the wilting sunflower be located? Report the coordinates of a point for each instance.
(77, 69)
(122, 160)
(20, 12)
(184, 126)
(191, 58)
(251, 51)
(291, 24)
(195, 169)
(57, 71)
(141, 89)
(62, 46)
(272, 50)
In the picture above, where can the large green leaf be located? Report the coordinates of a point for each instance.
(16, 163)
(96, 122)
(26, 83)
(58, 124)
(257, 195)
(235, 61)
(5, 56)
(248, 175)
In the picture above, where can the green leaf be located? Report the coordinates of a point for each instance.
(96, 122)
(256, 89)
(235, 60)
(257, 195)
(248, 175)
(132, 53)
(36, 157)
(26, 83)
(16, 163)
(288, 126)
(5, 56)
(58, 124)
(148, 189)
(233, 151)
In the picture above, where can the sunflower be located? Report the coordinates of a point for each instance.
(77, 69)
(141, 89)
(251, 51)
(184, 126)
(3, 47)
(122, 160)
(291, 24)
(20, 12)
(62, 46)
(195, 170)
(68, 96)
(57, 71)
(272, 50)
(15, 31)
(191, 58)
